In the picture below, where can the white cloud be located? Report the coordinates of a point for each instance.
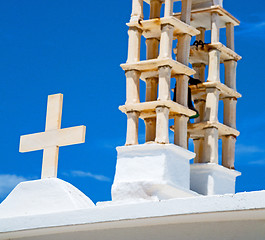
(257, 162)
(8, 182)
(251, 27)
(240, 148)
(101, 178)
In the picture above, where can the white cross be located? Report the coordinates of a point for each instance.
(53, 137)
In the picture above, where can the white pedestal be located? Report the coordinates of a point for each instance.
(152, 172)
(212, 179)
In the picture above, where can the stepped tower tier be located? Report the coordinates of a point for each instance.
(207, 130)
(159, 170)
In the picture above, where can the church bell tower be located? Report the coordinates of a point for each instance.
(159, 169)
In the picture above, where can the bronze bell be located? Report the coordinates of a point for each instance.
(192, 81)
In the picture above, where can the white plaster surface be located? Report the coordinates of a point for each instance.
(43, 196)
(212, 179)
(230, 209)
(152, 171)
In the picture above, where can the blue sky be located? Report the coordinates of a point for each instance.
(75, 48)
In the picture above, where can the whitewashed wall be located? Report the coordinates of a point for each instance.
(243, 230)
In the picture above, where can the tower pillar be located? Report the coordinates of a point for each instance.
(210, 153)
(168, 8)
(132, 128)
(155, 8)
(151, 95)
(137, 10)
(211, 104)
(162, 117)
(132, 86)
(198, 149)
(166, 41)
(228, 151)
(214, 54)
(230, 73)
(134, 44)
(180, 133)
